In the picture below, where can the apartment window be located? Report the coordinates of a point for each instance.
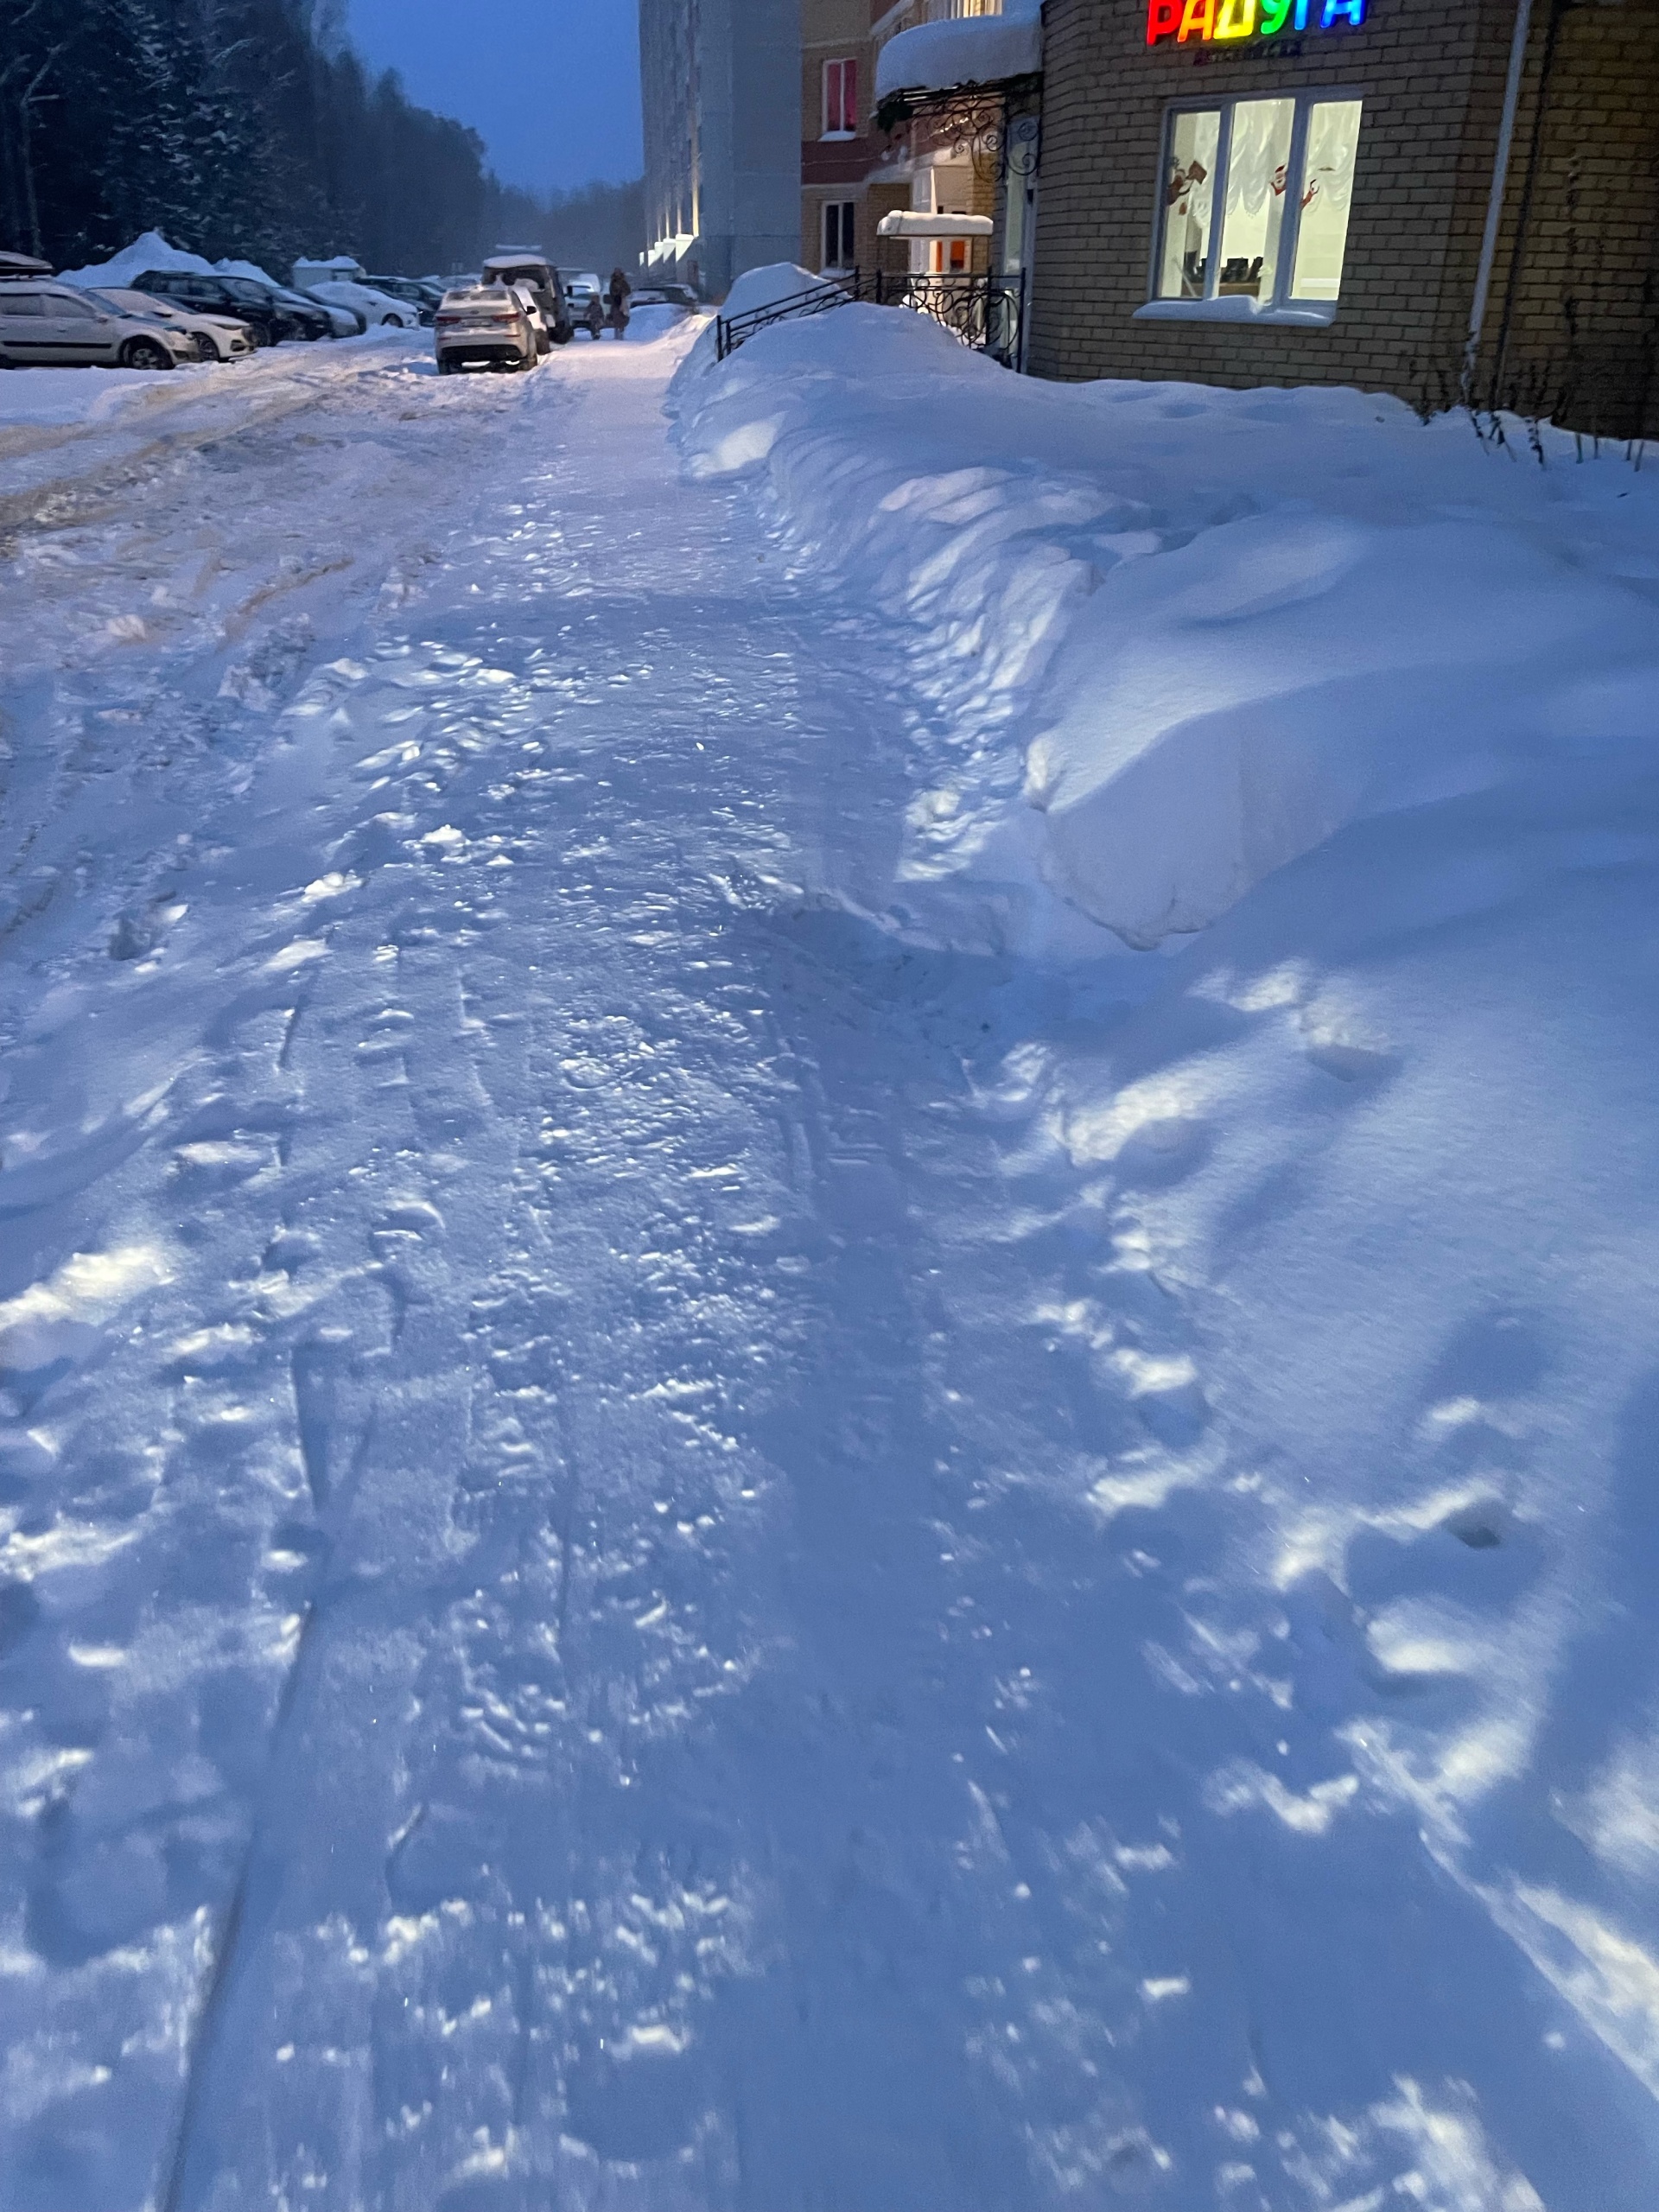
(840, 99)
(1253, 221)
(840, 233)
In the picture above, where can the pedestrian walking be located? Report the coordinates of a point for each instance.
(616, 299)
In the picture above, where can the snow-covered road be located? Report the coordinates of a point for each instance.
(552, 1655)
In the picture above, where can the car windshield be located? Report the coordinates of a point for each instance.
(244, 288)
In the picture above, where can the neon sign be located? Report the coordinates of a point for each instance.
(1215, 20)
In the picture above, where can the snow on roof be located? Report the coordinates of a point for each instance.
(151, 250)
(972, 50)
(248, 268)
(912, 223)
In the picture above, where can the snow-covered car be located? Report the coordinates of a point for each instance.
(529, 270)
(270, 313)
(43, 324)
(217, 337)
(485, 326)
(666, 295)
(343, 323)
(418, 292)
(379, 310)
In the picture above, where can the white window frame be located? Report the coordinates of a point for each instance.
(844, 62)
(1281, 309)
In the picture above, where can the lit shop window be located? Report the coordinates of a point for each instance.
(1257, 195)
(840, 233)
(840, 99)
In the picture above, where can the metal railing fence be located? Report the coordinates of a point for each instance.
(984, 309)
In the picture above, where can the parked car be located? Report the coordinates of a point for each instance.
(528, 268)
(271, 314)
(217, 337)
(343, 323)
(666, 295)
(415, 291)
(44, 324)
(379, 310)
(489, 326)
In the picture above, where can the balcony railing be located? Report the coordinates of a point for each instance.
(986, 311)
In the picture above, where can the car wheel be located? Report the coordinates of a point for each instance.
(145, 354)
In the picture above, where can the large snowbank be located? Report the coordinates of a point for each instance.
(967, 50)
(150, 251)
(1362, 1202)
(1264, 614)
(249, 269)
(755, 287)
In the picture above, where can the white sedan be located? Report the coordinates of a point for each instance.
(219, 337)
(377, 310)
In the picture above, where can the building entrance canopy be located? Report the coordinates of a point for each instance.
(910, 223)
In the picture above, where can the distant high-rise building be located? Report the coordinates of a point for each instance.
(721, 88)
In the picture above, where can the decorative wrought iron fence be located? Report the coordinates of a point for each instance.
(730, 331)
(986, 311)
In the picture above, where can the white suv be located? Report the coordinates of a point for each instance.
(56, 325)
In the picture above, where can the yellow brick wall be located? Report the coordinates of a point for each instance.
(1432, 78)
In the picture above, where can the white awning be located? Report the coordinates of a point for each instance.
(912, 223)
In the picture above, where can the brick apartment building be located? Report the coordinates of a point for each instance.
(852, 173)
(1401, 195)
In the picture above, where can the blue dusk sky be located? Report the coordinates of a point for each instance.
(551, 87)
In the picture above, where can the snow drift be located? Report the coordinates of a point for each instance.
(1196, 632)
(148, 251)
(1355, 719)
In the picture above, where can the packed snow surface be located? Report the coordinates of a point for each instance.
(825, 1323)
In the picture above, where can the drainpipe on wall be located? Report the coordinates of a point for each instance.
(1495, 202)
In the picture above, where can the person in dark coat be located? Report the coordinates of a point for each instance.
(616, 299)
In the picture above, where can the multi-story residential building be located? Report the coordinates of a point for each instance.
(841, 150)
(1447, 204)
(854, 173)
(719, 83)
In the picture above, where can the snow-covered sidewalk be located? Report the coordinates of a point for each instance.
(702, 1513)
